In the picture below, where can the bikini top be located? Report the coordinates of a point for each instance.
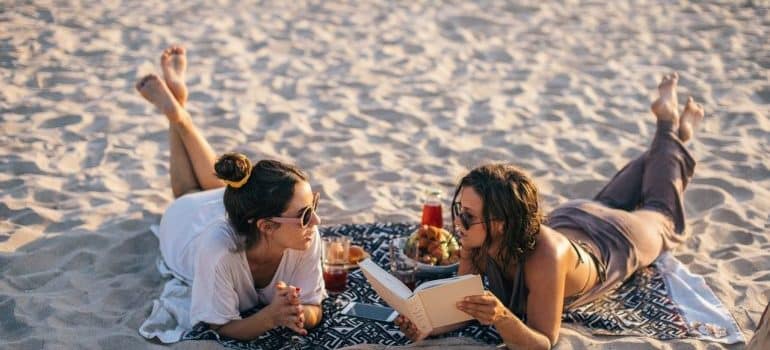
(515, 298)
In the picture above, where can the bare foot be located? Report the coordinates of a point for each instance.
(665, 107)
(154, 90)
(692, 115)
(173, 61)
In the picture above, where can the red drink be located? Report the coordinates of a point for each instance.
(406, 273)
(335, 278)
(411, 285)
(431, 215)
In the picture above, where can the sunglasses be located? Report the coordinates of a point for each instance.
(304, 218)
(465, 217)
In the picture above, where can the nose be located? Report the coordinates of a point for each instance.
(456, 221)
(315, 219)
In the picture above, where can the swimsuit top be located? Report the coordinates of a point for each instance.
(514, 293)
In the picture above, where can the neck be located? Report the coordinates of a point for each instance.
(263, 252)
(494, 250)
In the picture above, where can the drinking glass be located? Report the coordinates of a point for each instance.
(335, 259)
(402, 267)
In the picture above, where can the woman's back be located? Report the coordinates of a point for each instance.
(183, 224)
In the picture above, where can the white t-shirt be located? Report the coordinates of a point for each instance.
(198, 243)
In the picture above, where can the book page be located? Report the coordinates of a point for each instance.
(440, 301)
(388, 287)
(434, 283)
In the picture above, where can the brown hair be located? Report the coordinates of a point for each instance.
(510, 196)
(266, 193)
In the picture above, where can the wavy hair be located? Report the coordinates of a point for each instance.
(508, 195)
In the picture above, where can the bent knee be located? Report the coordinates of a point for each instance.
(649, 234)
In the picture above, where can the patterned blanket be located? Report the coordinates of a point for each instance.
(641, 306)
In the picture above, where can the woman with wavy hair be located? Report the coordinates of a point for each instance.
(242, 235)
(537, 266)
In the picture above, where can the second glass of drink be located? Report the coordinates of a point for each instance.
(335, 260)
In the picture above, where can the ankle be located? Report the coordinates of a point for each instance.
(177, 115)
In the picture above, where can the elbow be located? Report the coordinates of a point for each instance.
(550, 340)
(313, 316)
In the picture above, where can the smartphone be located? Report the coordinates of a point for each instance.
(372, 312)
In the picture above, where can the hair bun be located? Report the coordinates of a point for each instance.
(233, 168)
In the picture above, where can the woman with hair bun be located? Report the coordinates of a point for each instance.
(241, 235)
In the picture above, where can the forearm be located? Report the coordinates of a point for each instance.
(313, 315)
(248, 328)
(518, 335)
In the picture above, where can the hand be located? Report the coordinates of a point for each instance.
(408, 328)
(485, 308)
(286, 309)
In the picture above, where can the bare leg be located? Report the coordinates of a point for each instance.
(691, 117)
(201, 155)
(183, 180)
(173, 61)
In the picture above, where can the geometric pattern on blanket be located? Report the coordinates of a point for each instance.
(638, 307)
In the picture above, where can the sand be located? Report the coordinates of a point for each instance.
(377, 101)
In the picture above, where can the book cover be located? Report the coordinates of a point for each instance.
(432, 304)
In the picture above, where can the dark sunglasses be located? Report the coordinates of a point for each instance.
(465, 217)
(305, 217)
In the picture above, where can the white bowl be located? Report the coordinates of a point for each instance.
(423, 268)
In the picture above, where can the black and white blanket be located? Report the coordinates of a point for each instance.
(663, 301)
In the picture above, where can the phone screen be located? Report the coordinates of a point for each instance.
(374, 312)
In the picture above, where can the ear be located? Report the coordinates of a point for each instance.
(266, 226)
(497, 228)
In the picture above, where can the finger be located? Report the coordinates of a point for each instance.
(280, 285)
(413, 328)
(472, 309)
(297, 329)
(292, 310)
(283, 293)
(292, 300)
(481, 299)
(413, 334)
(292, 289)
(400, 319)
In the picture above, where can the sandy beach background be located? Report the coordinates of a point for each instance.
(377, 101)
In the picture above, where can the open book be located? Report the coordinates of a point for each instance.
(432, 305)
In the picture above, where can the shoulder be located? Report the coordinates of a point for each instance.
(548, 259)
(219, 244)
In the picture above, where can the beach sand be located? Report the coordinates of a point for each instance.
(377, 101)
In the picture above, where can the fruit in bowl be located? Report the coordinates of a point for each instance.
(432, 246)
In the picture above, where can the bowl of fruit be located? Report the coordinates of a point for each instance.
(434, 250)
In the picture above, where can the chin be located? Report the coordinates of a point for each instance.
(468, 244)
(304, 244)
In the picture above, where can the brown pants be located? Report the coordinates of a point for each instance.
(638, 214)
(655, 181)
